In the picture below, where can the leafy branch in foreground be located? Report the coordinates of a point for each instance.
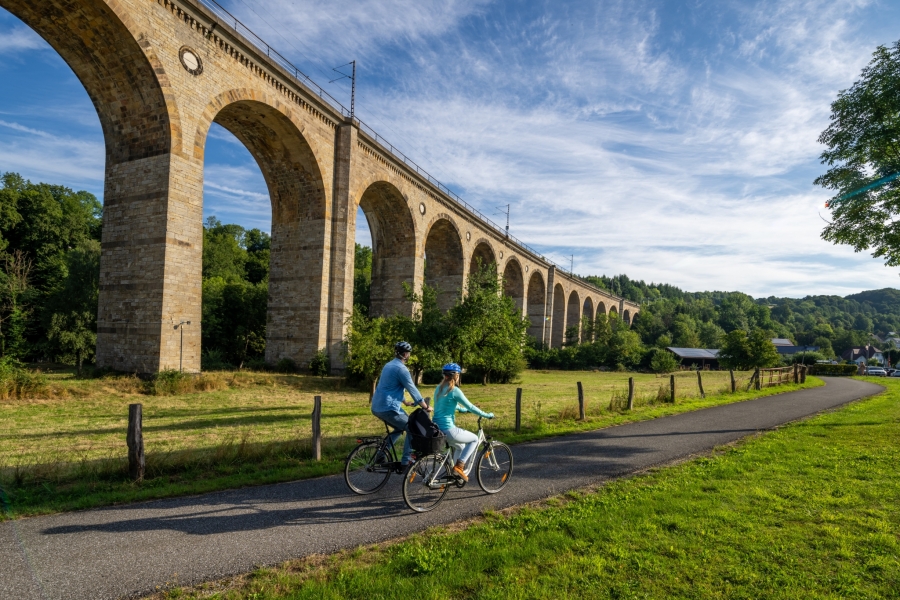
(863, 153)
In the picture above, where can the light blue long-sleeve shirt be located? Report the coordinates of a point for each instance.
(447, 404)
(394, 379)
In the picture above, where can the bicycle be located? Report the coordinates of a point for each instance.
(369, 465)
(430, 477)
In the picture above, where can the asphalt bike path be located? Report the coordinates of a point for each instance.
(130, 550)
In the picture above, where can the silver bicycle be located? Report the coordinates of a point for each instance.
(430, 477)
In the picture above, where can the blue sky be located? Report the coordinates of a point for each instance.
(671, 141)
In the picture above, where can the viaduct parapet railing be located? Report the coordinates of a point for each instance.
(221, 20)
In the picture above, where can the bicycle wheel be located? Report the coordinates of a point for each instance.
(495, 467)
(361, 473)
(426, 483)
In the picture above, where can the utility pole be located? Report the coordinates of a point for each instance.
(352, 78)
(572, 265)
(504, 212)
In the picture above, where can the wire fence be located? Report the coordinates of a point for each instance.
(229, 19)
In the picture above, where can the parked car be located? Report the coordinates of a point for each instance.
(876, 372)
(896, 373)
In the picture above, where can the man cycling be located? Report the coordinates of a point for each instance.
(388, 397)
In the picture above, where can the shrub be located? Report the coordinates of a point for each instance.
(663, 361)
(214, 360)
(320, 364)
(833, 370)
(172, 383)
(167, 383)
(286, 365)
(18, 382)
(805, 358)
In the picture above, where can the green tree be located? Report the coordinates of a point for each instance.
(223, 254)
(362, 278)
(762, 351)
(487, 333)
(863, 155)
(14, 310)
(368, 346)
(663, 361)
(735, 351)
(72, 331)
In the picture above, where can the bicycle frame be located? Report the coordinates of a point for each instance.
(483, 441)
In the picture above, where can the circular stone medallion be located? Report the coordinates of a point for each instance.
(422, 208)
(190, 60)
(468, 236)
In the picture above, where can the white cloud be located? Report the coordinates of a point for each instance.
(20, 38)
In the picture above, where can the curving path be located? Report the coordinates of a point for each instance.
(129, 550)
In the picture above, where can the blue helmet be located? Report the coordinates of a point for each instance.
(451, 368)
(401, 347)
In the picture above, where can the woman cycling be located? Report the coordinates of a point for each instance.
(448, 399)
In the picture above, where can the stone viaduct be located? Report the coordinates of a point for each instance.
(159, 73)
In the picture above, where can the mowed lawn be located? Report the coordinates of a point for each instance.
(811, 510)
(67, 450)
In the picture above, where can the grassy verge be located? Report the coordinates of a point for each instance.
(66, 450)
(808, 511)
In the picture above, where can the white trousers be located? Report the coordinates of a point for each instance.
(462, 440)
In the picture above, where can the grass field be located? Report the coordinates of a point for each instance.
(811, 510)
(67, 450)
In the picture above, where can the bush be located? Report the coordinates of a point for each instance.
(214, 360)
(18, 382)
(320, 364)
(172, 383)
(286, 365)
(804, 358)
(833, 370)
(663, 361)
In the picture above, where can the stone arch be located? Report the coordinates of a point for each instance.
(626, 316)
(601, 308)
(144, 251)
(613, 312)
(514, 283)
(537, 299)
(393, 248)
(299, 221)
(125, 85)
(444, 260)
(573, 312)
(483, 252)
(587, 312)
(558, 322)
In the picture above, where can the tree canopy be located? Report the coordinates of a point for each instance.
(863, 155)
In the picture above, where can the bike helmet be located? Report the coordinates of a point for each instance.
(401, 347)
(451, 368)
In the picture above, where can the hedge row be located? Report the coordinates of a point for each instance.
(837, 370)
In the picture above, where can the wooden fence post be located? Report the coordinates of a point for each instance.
(580, 402)
(803, 374)
(672, 389)
(700, 385)
(630, 393)
(135, 440)
(518, 410)
(758, 382)
(317, 428)
(733, 382)
(796, 373)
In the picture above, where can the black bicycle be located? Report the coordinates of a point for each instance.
(430, 477)
(370, 464)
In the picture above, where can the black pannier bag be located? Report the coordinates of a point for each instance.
(426, 437)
